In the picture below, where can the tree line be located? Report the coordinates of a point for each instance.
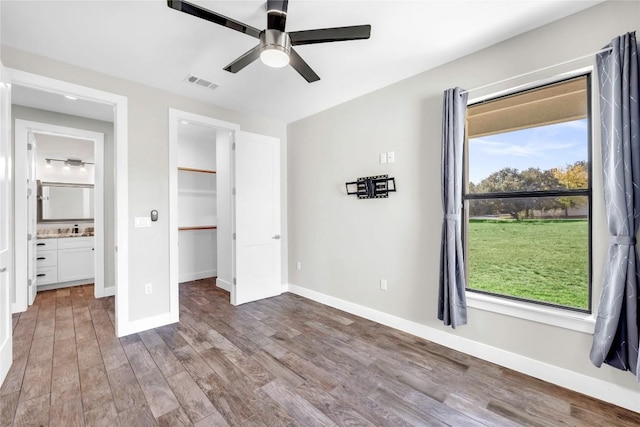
(507, 180)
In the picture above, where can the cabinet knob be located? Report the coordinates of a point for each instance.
(276, 237)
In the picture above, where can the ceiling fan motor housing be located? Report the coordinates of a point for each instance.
(275, 40)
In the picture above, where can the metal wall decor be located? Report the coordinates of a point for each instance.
(372, 187)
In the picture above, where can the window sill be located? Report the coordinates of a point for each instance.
(581, 322)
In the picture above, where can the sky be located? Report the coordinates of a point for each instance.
(545, 147)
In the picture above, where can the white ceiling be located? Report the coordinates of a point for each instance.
(147, 42)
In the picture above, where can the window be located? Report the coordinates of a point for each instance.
(527, 196)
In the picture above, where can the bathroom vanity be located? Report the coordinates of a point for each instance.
(65, 259)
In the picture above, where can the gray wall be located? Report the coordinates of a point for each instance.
(148, 251)
(345, 245)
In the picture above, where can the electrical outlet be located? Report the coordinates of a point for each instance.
(148, 288)
(383, 284)
(299, 265)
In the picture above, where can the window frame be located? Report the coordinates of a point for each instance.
(569, 317)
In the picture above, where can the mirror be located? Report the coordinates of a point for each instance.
(59, 201)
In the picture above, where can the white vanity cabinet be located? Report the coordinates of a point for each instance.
(47, 261)
(65, 261)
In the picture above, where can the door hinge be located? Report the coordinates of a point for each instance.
(29, 192)
(29, 237)
(234, 236)
(234, 281)
(233, 191)
(233, 146)
(29, 146)
(29, 283)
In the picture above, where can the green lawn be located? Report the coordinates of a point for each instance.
(542, 260)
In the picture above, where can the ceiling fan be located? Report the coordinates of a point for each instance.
(276, 45)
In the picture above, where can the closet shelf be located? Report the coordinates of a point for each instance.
(199, 227)
(181, 168)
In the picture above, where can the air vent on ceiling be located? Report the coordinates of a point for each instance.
(200, 82)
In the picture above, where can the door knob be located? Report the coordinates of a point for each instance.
(3, 269)
(276, 237)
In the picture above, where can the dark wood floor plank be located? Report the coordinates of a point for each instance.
(339, 411)
(8, 406)
(95, 387)
(65, 382)
(34, 412)
(68, 413)
(157, 392)
(125, 389)
(300, 409)
(103, 416)
(283, 361)
(193, 400)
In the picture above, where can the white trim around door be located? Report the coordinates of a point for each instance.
(121, 192)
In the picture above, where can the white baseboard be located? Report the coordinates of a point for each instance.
(223, 284)
(197, 275)
(594, 387)
(136, 326)
(111, 290)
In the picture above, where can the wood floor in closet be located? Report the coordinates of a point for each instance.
(284, 361)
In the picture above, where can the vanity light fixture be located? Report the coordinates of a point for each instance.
(68, 163)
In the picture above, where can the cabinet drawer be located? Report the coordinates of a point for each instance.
(46, 244)
(46, 258)
(47, 275)
(75, 242)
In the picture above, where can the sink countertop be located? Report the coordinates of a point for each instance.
(57, 235)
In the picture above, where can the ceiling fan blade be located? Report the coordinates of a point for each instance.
(277, 14)
(325, 35)
(244, 60)
(207, 15)
(302, 67)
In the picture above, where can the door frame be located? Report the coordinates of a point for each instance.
(23, 129)
(6, 250)
(120, 122)
(175, 117)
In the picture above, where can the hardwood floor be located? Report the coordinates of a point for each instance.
(285, 361)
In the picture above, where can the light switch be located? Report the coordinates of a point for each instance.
(391, 157)
(383, 158)
(142, 221)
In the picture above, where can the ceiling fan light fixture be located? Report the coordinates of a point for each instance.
(276, 46)
(274, 58)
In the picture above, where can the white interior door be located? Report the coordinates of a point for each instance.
(6, 349)
(32, 194)
(257, 218)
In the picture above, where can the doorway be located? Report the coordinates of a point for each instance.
(247, 209)
(42, 150)
(115, 235)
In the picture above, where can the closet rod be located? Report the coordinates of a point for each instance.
(607, 49)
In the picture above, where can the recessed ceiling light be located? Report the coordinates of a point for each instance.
(73, 98)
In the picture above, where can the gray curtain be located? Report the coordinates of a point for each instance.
(615, 340)
(452, 305)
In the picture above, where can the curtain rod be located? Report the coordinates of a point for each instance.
(607, 49)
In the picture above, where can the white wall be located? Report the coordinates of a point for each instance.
(148, 168)
(345, 245)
